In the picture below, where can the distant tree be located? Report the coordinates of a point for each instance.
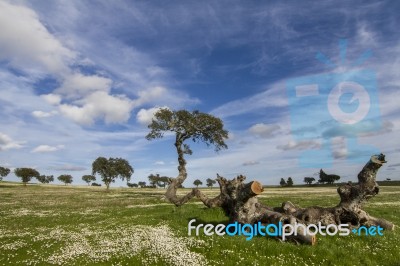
(26, 174)
(88, 178)
(197, 183)
(210, 182)
(325, 178)
(153, 180)
(131, 184)
(112, 168)
(157, 180)
(66, 179)
(388, 179)
(142, 184)
(94, 184)
(283, 182)
(163, 181)
(3, 172)
(45, 179)
(289, 182)
(309, 180)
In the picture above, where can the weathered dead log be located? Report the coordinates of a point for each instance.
(240, 204)
(352, 197)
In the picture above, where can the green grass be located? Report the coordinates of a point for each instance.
(48, 224)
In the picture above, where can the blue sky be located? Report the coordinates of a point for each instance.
(81, 79)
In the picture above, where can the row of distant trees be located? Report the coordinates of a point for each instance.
(109, 170)
(26, 175)
(112, 168)
(323, 179)
(162, 181)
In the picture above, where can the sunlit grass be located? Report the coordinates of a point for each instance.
(65, 225)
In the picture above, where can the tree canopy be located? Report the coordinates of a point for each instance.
(45, 179)
(289, 182)
(3, 172)
(142, 183)
(26, 174)
(111, 169)
(197, 182)
(282, 182)
(131, 184)
(200, 127)
(210, 182)
(157, 180)
(309, 180)
(66, 179)
(325, 178)
(88, 179)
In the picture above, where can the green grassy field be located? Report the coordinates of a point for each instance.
(49, 224)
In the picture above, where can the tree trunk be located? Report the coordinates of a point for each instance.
(240, 203)
(352, 197)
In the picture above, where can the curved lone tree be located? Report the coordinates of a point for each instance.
(238, 199)
(112, 168)
(195, 126)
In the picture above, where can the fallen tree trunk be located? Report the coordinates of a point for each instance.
(240, 204)
(352, 197)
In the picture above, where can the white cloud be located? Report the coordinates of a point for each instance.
(264, 130)
(26, 42)
(7, 143)
(99, 105)
(159, 163)
(145, 116)
(77, 85)
(47, 148)
(42, 114)
(53, 99)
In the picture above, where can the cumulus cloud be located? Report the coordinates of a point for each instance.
(159, 163)
(99, 105)
(145, 116)
(78, 85)
(264, 130)
(300, 145)
(7, 143)
(25, 41)
(28, 44)
(47, 148)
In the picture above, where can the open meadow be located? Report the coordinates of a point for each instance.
(69, 225)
